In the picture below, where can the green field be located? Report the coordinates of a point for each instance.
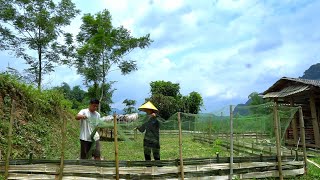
(133, 150)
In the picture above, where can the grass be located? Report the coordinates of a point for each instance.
(133, 150)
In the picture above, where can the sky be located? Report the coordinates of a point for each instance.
(223, 49)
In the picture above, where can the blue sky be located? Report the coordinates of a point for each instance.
(223, 49)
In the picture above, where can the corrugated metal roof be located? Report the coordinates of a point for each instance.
(287, 91)
(298, 84)
(304, 81)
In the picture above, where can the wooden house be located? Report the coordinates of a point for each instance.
(304, 93)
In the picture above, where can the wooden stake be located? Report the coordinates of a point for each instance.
(12, 116)
(231, 142)
(135, 134)
(303, 139)
(63, 130)
(276, 130)
(180, 148)
(210, 133)
(116, 145)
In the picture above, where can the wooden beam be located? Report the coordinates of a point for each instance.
(276, 129)
(294, 123)
(303, 139)
(315, 123)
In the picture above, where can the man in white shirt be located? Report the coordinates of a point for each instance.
(88, 119)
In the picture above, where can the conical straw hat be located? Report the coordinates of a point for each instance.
(147, 105)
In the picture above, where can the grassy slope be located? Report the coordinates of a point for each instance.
(38, 119)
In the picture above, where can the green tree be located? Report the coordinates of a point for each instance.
(256, 99)
(65, 89)
(167, 98)
(129, 106)
(195, 102)
(94, 91)
(103, 49)
(32, 27)
(78, 94)
(167, 105)
(165, 88)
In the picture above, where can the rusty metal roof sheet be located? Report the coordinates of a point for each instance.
(287, 91)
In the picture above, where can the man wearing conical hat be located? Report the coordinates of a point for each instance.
(151, 141)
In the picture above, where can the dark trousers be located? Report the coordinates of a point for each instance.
(155, 152)
(85, 147)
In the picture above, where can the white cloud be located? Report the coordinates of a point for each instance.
(224, 49)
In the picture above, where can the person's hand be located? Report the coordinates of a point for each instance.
(83, 117)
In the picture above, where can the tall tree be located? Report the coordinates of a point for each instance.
(165, 88)
(129, 106)
(167, 98)
(195, 102)
(103, 49)
(29, 26)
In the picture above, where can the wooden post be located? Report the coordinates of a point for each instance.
(314, 120)
(303, 139)
(12, 116)
(63, 131)
(294, 124)
(135, 134)
(231, 142)
(252, 146)
(276, 130)
(210, 125)
(116, 145)
(180, 147)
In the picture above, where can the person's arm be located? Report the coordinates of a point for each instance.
(80, 116)
(142, 128)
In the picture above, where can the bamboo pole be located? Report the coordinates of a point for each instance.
(6, 174)
(180, 148)
(231, 142)
(276, 122)
(64, 127)
(303, 139)
(116, 144)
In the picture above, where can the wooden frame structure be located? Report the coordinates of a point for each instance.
(299, 92)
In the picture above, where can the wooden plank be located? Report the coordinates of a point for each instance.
(274, 173)
(315, 123)
(30, 176)
(165, 172)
